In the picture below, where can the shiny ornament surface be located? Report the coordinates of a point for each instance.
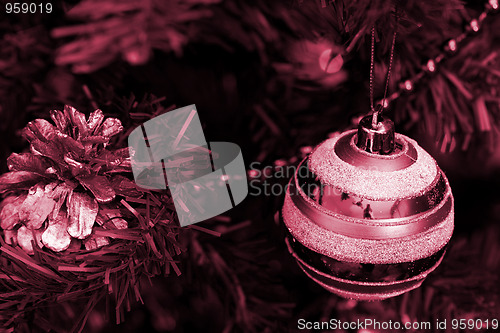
(365, 225)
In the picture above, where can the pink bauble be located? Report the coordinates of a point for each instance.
(364, 225)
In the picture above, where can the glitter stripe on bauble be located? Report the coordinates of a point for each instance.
(370, 228)
(351, 208)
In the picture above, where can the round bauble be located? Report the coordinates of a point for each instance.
(369, 213)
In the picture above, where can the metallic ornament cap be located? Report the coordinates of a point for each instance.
(377, 138)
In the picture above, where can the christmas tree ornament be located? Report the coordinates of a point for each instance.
(369, 213)
(320, 61)
(330, 62)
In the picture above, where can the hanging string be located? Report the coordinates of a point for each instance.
(389, 70)
(372, 64)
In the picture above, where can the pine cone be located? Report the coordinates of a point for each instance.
(55, 191)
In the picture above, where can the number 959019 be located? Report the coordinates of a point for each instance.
(26, 7)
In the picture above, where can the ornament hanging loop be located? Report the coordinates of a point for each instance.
(376, 112)
(378, 138)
